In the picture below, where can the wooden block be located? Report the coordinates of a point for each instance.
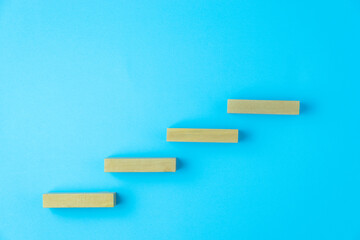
(79, 200)
(263, 107)
(202, 135)
(140, 165)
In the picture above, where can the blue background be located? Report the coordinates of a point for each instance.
(85, 80)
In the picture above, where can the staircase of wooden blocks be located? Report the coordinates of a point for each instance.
(106, 199)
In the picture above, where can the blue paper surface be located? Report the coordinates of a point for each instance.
(84, 80)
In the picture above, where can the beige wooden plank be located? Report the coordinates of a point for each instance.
(263, 107)
(79, 200)
(140, 164)
(202, 135)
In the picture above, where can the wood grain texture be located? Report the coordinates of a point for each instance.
(79, 200)
(202, 135)
(263, 107)
(140, 165)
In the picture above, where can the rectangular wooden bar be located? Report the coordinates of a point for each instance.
(263, 107)
(140, 164)
(79, 200)
(202, 135)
